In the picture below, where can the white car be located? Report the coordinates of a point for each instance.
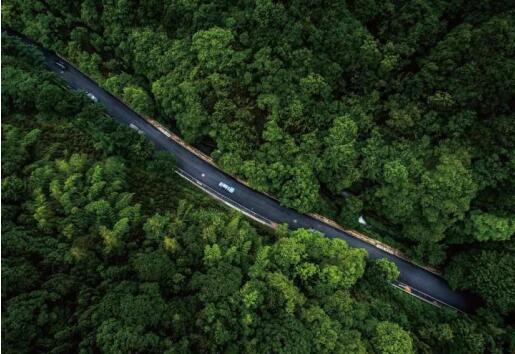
(226, 187)
(92, 97)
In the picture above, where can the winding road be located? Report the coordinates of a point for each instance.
(413, 279)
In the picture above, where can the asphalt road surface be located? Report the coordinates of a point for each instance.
(415, 280)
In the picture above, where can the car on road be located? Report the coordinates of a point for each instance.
(92, 97)
(226, 187)
(61, 66)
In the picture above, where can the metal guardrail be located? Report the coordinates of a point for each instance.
(422, 295)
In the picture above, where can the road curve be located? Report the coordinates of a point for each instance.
(413, 279)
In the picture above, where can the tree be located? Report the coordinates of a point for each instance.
(149, 52)
(300, 189)
(350, 212)
(492, 277)
(17, 147)
(340, 156)
(163, 165)
(390, 338)
(213, 48)
(385, 270)
(78, 198)
(491, 227)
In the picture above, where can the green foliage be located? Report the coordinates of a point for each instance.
(389, 338)
(212, 48)
(385, 270)
(350, 211)
(139, 100)
(340, 156)
(406, 105)
(490, 227)
(488, 273)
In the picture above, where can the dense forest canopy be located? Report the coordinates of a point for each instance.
(399, 110)
(404, 107)
(94, 260)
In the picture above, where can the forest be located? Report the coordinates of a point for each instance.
(399, 111)
(94, 260)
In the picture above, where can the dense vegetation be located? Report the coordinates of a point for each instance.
(105, 250)
(402, 111)
(406, 105)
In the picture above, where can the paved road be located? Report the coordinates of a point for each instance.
(418, 281)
